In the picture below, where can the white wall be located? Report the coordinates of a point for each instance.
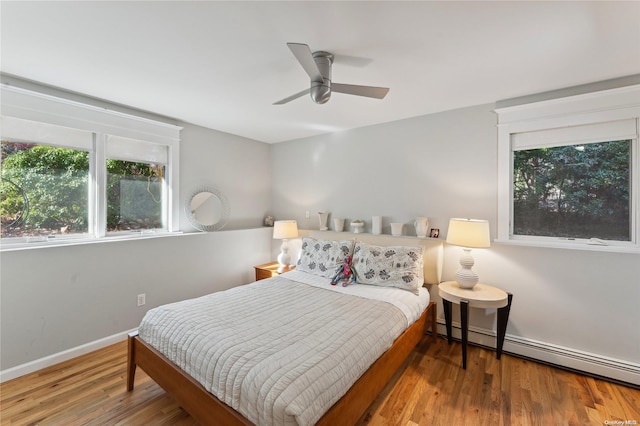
(59, 298)
(573, 308)
(237, 166)
(427, 166)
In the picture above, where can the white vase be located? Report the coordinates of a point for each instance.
(422, 226)
(323, 217)
(357, 227)
(376, 225)
(338, 224)
(396, 229)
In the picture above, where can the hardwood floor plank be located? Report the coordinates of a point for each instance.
(430, 389)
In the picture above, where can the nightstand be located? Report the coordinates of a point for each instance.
(269, 270)
(480, 296)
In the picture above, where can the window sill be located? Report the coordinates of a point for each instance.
(569, 245)
(53, 242)
(8, 247)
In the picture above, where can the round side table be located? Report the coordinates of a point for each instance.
(480, 296)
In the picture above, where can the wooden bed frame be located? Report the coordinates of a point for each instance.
(207, 409)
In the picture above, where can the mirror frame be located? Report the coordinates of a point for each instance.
(224, 214)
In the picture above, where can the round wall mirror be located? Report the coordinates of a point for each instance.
(207, 209)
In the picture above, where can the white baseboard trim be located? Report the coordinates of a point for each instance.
(39, 364)
(587, 362)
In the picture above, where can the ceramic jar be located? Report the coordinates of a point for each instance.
(422, 226)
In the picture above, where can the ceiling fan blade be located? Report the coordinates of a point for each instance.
(354, 61)
(292, 97)
(353, 89)
(305, 57)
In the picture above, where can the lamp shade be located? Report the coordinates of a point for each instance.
(285, 229)
(472, 233)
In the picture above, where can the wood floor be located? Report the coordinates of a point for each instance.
(430, 389)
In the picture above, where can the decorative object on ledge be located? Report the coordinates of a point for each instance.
(357, 226)
(268, 221)
(284, 230)
(323, 217)
(207, 208)
(338, 224)
(396, 228)
(422, 226)
(434, 233)
(468, 233)
(376, 225)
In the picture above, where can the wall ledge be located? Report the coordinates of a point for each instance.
(134, 236)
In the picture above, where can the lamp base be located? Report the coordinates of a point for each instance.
(284, 259)
(466, 277)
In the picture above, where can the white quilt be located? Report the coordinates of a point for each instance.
(281, 352)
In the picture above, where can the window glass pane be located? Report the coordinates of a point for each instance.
(575, 191)
(44, 190)
(134, 195)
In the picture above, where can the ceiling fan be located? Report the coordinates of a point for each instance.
(318, 66)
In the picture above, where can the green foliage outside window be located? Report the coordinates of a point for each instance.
(134, 195)
(578, 191)
(55, 182)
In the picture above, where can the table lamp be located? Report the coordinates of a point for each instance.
(283, 230)
(468, 233)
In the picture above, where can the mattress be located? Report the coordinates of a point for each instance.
(282, 351)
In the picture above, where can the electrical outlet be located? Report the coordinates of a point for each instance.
(307, 214)
(142, 299)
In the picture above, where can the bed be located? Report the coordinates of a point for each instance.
(288, 350)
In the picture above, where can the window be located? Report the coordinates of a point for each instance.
(568, 172)
(44, 190)
(573, 191)
(135, 189)
(72, 171)
(134, 196)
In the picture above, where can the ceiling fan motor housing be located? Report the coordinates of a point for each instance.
(321, 90)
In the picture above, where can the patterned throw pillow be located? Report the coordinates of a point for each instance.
(398, 266)
(323, 257)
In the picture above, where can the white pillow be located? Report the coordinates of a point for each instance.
(323, 257)
(397, 266)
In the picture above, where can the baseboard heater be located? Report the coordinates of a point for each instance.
(588, 363)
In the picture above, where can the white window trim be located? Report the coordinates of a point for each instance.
(39, 107)
(607, 105)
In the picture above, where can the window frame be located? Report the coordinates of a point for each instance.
(579, 110)
(102, 123)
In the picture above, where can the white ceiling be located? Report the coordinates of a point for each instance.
(222, 64)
